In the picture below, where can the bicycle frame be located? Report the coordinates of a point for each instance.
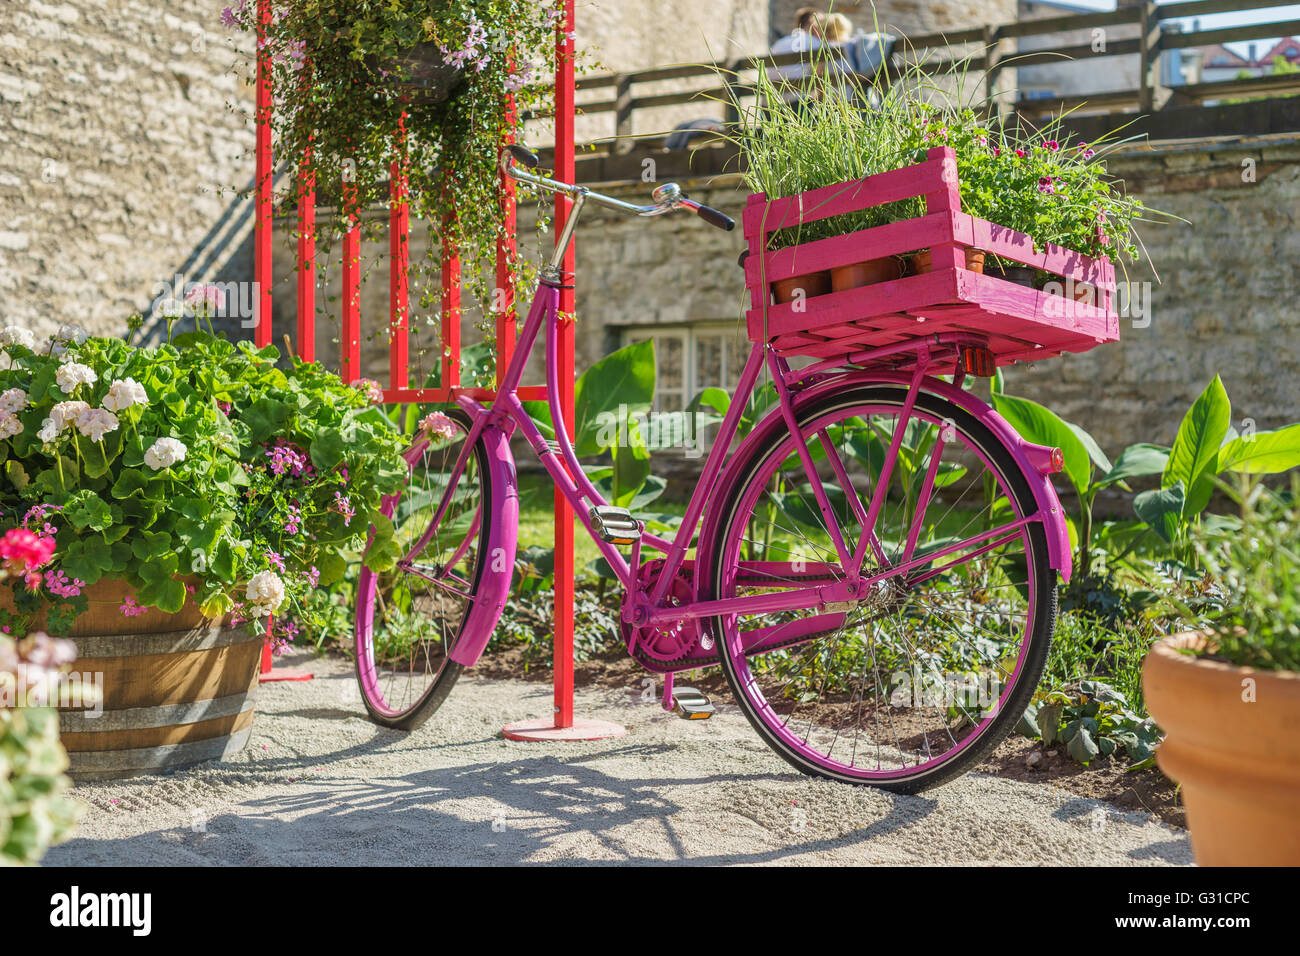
(497, 421)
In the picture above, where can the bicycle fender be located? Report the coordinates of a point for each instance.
(503, 535)
(1058, 538)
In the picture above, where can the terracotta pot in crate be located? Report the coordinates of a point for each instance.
(865, 273)
(974, 261)
(813, 284)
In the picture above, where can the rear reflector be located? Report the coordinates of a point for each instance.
(978, 361)
(1044, 459)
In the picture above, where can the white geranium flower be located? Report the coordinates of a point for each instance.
(65, 414)
(71, 333)
(124, 393)
(12, 401)
(49, 430)
(72, 374)
(17, 335)
(95, 423)
(265, 591)
(10, 426)
(164, 453)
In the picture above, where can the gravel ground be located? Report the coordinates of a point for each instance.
(321, 785)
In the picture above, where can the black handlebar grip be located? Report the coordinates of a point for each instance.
(524, 156)
(715, 218)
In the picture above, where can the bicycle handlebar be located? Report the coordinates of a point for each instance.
(668, 197)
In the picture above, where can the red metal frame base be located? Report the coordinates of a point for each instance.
(269, 675)
(543, 728)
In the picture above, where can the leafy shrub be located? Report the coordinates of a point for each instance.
(196, 464)
(1255, 569)
(1091, 719)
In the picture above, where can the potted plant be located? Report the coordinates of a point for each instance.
(347, 75)
(182, 487)
(1227, 694)
(820, 138)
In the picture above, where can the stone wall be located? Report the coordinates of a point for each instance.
(115, 146)
(1223, 302)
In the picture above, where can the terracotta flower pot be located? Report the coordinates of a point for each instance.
(1233, 745)
(813, 284)
(974, 261)
(865, 273)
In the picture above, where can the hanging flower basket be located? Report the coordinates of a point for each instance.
(422, 75)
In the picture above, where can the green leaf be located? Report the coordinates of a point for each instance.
(1161, 509)
(331, 566)
(1081, 746)
(266, 418)
(1136, 461)
(85, 509)
(715, 398)
(1043, 427)
(1263, 453)
(131, 481)
(1196, 447)
(16, 474)
(618, 386)
(1094, 450)
(327, 448)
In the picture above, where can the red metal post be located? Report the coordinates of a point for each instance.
(263, 172)
(564, 570)
(350, 369)
(306, 339)
(399, 244)
(450, 360)
(505, 284)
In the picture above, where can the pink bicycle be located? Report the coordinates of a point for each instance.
(874, 566)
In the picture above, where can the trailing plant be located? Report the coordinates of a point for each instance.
(193, 466)
(346, 76)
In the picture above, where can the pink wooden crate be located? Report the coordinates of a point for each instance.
(1018, 323)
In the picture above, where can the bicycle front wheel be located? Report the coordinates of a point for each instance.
(915, 683)
(409, 618)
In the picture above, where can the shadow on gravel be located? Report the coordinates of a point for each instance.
(484, 813)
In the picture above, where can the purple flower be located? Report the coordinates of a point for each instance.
(1045, 185)
(343, 505)
(276, 560)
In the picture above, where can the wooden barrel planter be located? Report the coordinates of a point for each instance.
(177, 689)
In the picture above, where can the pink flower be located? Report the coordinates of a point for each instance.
(1083, 149)
(373, 391)
(22, 551)
(312, 576)
(1051, 145)
(1020, 153)
(343, 505)
(58, 584)
(438, 423)
(997, 151)
(130, 609)
(205, 299)
(276, 560)
(1045, 185)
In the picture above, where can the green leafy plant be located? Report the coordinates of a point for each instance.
(194, 466)
(1207, 446)
(1254, 566)
(1086, 466)
(1090, 720)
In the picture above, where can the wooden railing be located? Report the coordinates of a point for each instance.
(982, 50)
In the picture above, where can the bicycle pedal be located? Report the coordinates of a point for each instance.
(614, 525)
(691, 704)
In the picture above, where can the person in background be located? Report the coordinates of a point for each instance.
(855, 52)
(803, 39)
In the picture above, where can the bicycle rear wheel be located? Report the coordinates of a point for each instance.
(409, 618)
(916, 683)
